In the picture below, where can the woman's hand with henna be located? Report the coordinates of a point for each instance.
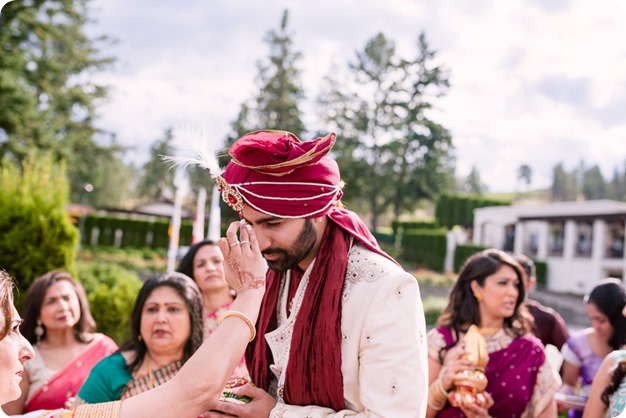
(245, 267)
(454, 363)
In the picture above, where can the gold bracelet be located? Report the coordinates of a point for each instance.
(244, 318)
(437, 395)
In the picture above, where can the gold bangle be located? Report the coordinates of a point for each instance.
(437, 395)
(244, 318)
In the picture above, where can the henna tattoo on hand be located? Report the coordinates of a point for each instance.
(255, 282)
(247, 279)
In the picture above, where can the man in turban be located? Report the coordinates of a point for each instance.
(341, 329)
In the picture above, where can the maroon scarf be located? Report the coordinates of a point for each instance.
(315, 355)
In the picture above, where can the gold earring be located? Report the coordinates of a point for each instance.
(479, 297)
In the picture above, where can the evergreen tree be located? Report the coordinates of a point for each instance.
(594, 186)
(525, 174)
(564, 184)
(385, 134)
(276, 106)
(473, 184)
(157, 178)
(47, 99)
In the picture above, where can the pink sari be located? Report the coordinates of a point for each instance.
(65, 384)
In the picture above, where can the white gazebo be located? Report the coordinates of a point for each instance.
(581, 242)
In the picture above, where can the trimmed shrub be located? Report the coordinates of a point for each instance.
(463, 252)
(37, 234)
(426, 247)
(459, 210)
(414, 224)
(541, 272)
(111, 291)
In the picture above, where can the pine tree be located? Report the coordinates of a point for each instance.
(47, 99)
(388, 146)
(276, 105)
(157, 178)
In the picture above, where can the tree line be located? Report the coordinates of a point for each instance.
(587, 182)
(392, 152)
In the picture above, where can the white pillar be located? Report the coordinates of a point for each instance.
(518, 244)
(599, 237)
(542, 241)
(448, 263)
(477, 233)
(569, 240)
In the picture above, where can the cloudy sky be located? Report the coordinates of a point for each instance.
(534, 82)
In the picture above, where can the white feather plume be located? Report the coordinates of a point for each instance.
(197, 147)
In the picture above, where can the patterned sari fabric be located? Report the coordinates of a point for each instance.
(617, 404)
(145, 383)
(521, 381)
(103, 410)
(53, 392)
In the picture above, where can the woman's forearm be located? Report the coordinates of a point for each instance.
(197, 386)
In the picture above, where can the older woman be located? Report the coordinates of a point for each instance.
(204, 263)
(166, 330)
(189, 393)
(489, 293)
(58, 322)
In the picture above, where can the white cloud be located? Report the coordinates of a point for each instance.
(532, 82)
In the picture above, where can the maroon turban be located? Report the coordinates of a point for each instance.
(277, 174)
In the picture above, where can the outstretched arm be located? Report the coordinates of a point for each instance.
(197, 386)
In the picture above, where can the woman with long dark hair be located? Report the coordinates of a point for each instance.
(59, 325)
(585, 350)
(489, 293)
(166, 330)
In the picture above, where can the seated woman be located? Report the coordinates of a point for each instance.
(166, 330)
(489, 293)
(204, 263)
(58, 322)
(607, 396)
(585, 350)
(189, 393)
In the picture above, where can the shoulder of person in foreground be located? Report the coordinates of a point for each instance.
(106, 380)
(595, 407)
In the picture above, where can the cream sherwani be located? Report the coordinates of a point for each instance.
(383, 352)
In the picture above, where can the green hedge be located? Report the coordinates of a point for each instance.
(398, 226)
(426, 247)
(111, 291)
(135, 233)
(36, 232)
(459, 209)
(463, 252)
(541, 272)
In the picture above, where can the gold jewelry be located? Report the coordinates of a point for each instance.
(243, 317)
(39, 331)
(479, 297)
(437, 395)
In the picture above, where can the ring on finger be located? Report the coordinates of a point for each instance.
(235, 243)
(245, 242)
